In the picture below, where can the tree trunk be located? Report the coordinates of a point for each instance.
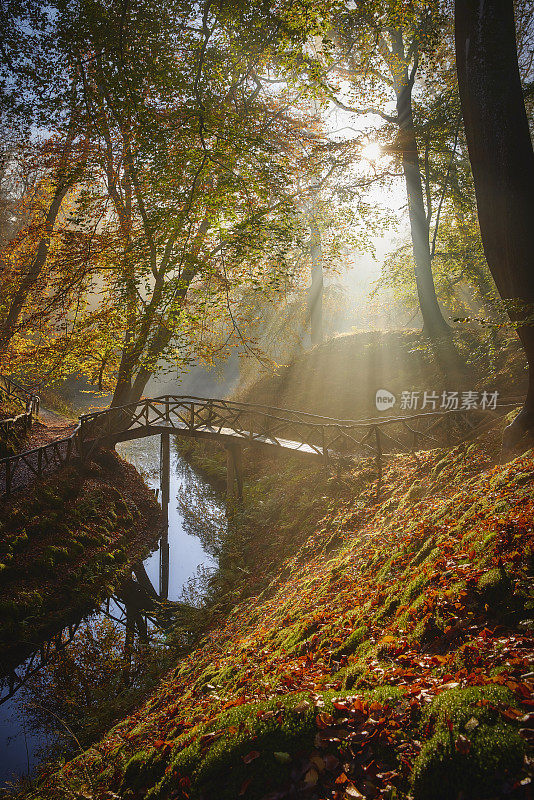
(134, 371)
(434, 324)
(64, 183)
(502, 162)
(316, 290)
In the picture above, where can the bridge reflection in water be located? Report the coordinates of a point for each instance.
(136, 606)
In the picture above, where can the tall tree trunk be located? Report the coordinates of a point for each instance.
(316, 290)
(502, 161)
(434, 324)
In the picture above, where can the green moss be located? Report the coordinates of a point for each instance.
(494, 586)
(351, 642)
(489, 754)
(416, 491)
(143, 771)
(55, 555)
(218, 770)
(487, 542)
(352, 674)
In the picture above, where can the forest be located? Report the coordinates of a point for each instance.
(266, 399)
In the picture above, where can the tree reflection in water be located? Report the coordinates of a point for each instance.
(91, 684)
(118, 653)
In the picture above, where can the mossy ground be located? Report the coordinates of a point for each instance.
(66, 543)
(381, 633)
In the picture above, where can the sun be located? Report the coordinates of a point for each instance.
(371, 152)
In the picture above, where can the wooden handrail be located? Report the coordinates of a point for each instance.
(264, 425)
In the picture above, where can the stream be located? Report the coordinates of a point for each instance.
(176, 570)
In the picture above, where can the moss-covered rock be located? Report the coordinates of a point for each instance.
(351, 642)
(474, 752)
(243, 745)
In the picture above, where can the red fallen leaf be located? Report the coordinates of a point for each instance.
(341, 779)
(162, 743)
(265, 714)
(375, 706)
(462, 744)
(211, 737)
(244, 786)
(324, 720)
(250, 756)
(387, 776)
(511, 713)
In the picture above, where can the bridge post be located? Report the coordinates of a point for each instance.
(234, 471)
(165, 472)
(164, 567)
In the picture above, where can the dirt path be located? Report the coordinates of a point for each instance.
(49, 426)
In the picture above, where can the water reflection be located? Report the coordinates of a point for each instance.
(196, 520)
(123, 639)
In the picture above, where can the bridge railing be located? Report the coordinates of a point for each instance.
(14, 391)
(17, 471)
(270, 425)
(323, 437)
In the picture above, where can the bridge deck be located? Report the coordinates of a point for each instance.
(224, 435)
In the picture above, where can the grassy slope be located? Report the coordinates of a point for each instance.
(319, 379)
(65, 543)
(392, 653)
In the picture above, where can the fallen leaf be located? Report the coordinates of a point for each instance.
(250, 756)
(353, 792)
(463, 745)
(311, 777)
(471, 724)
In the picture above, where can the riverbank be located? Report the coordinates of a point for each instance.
(389, 656)
(65, 544)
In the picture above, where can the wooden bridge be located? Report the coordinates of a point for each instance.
(236, 424)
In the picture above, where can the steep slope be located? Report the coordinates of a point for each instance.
(391, 656)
